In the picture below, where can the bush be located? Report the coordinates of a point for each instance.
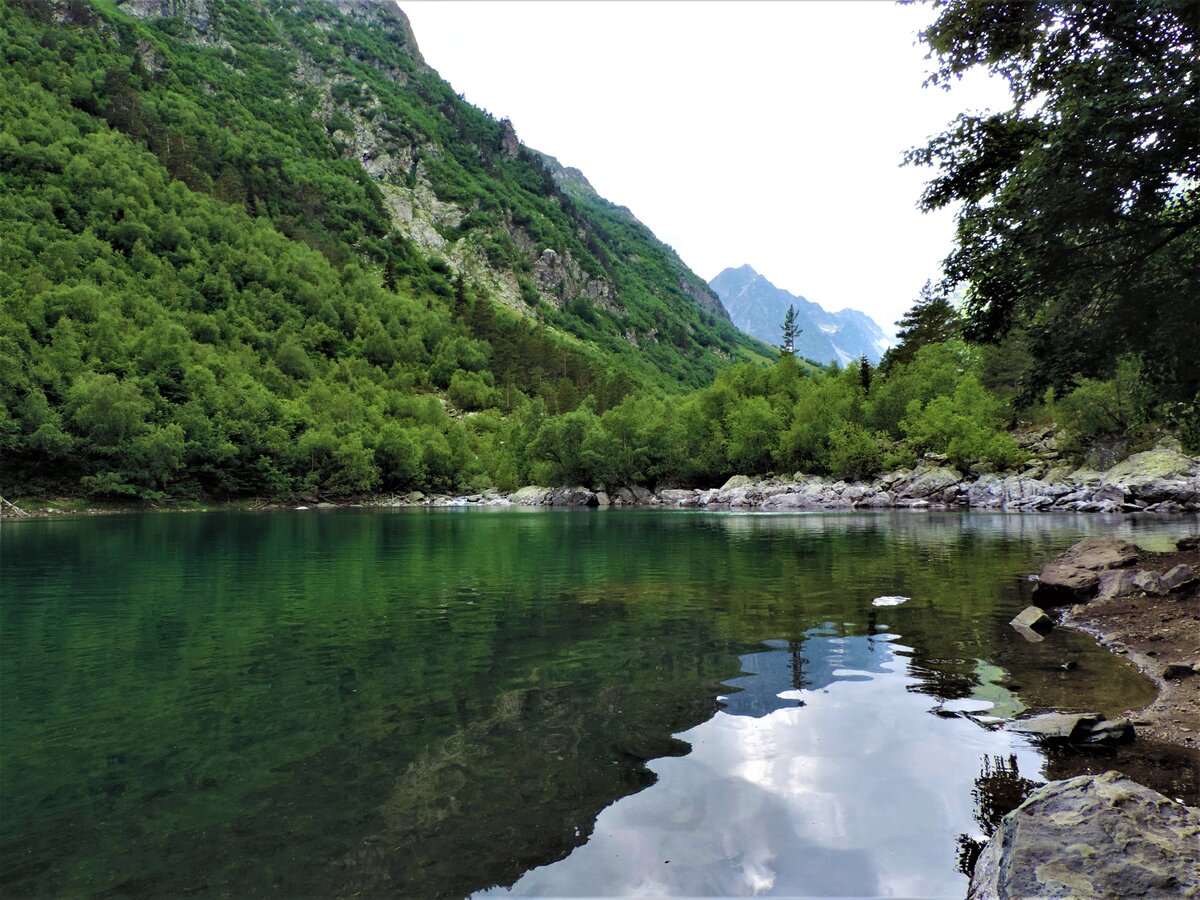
(856, 454)
(1118, 407)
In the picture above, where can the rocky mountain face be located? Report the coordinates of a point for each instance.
(461, 187)
(757, 307)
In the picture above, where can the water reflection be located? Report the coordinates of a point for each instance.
(809, 781)
(426, 703)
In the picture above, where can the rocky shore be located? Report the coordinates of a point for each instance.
(1105, 835)
(1162, 480)
(1145, 606)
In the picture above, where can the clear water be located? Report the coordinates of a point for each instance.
(441, 703)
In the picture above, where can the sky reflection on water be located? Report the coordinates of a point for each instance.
(826, 774)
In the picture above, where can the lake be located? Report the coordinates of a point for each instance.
(439, 702)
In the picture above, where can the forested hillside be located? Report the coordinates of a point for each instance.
(263, 248)
(259, 248)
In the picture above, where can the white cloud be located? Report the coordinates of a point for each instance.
(761, 133)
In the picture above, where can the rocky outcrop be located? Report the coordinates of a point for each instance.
(1092, 836)
(1076, 575)
(1091, 567)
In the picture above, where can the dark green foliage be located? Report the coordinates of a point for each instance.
(755, 420)
(790, 332)
(931, 320)
(1080, 216)
(200, 292)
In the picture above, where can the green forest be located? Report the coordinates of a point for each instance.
(204, 293)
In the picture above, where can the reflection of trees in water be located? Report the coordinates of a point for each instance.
(999, 790)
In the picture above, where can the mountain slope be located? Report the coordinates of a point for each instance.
(260, 247)
(757, 307)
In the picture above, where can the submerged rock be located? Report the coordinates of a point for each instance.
(1034, 619)
(1092, 836)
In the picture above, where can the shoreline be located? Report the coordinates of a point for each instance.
(1155, 632)
(1162, 481)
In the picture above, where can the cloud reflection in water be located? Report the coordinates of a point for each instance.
(824, 775)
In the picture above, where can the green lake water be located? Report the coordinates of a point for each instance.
(440, 703)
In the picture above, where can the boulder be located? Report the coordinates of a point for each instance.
(1116, 583)
(1100, 553)
(571, 496)
(1189, 542)
(737, 481)
(1177, 578)
(532, 495)
(1163, 473)
(1147, 582)
(1060, 584)
(1057, 727)
(927, 484)
(678, 498)
(1034, 619)
(1092, 836)
(1109, 731)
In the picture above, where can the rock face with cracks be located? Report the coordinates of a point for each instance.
(1092, 836)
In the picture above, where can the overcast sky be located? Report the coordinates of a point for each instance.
(768, 133)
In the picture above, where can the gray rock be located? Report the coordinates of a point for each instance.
(532, 495)
(1057, 727)
(1189, 542)
(1147, 582)
(1110, 731)
(737, 481)
(1028, 633)
(1092, 836)
(571, 496)
(1100, 553)
(1156, 475)
(679, 499)
(1060, 584)
(1034, 619)
(1177, 578)
(927, 483)
(1116, 583)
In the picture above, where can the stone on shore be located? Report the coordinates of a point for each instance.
(1075, 576)
(1116, 583)
(1092, 836)
(1060, 584)
(1177, 578)
(1101, 553)
(1057, 727)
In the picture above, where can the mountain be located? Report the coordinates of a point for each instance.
(260, 246)
(757, 307)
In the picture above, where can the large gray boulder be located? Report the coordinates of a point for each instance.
(1161, 474)
(571, 496)
(1100, 553)
(1075, 576)
(933, 484)
(1092, 836)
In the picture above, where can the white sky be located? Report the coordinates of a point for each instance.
(767, 133)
